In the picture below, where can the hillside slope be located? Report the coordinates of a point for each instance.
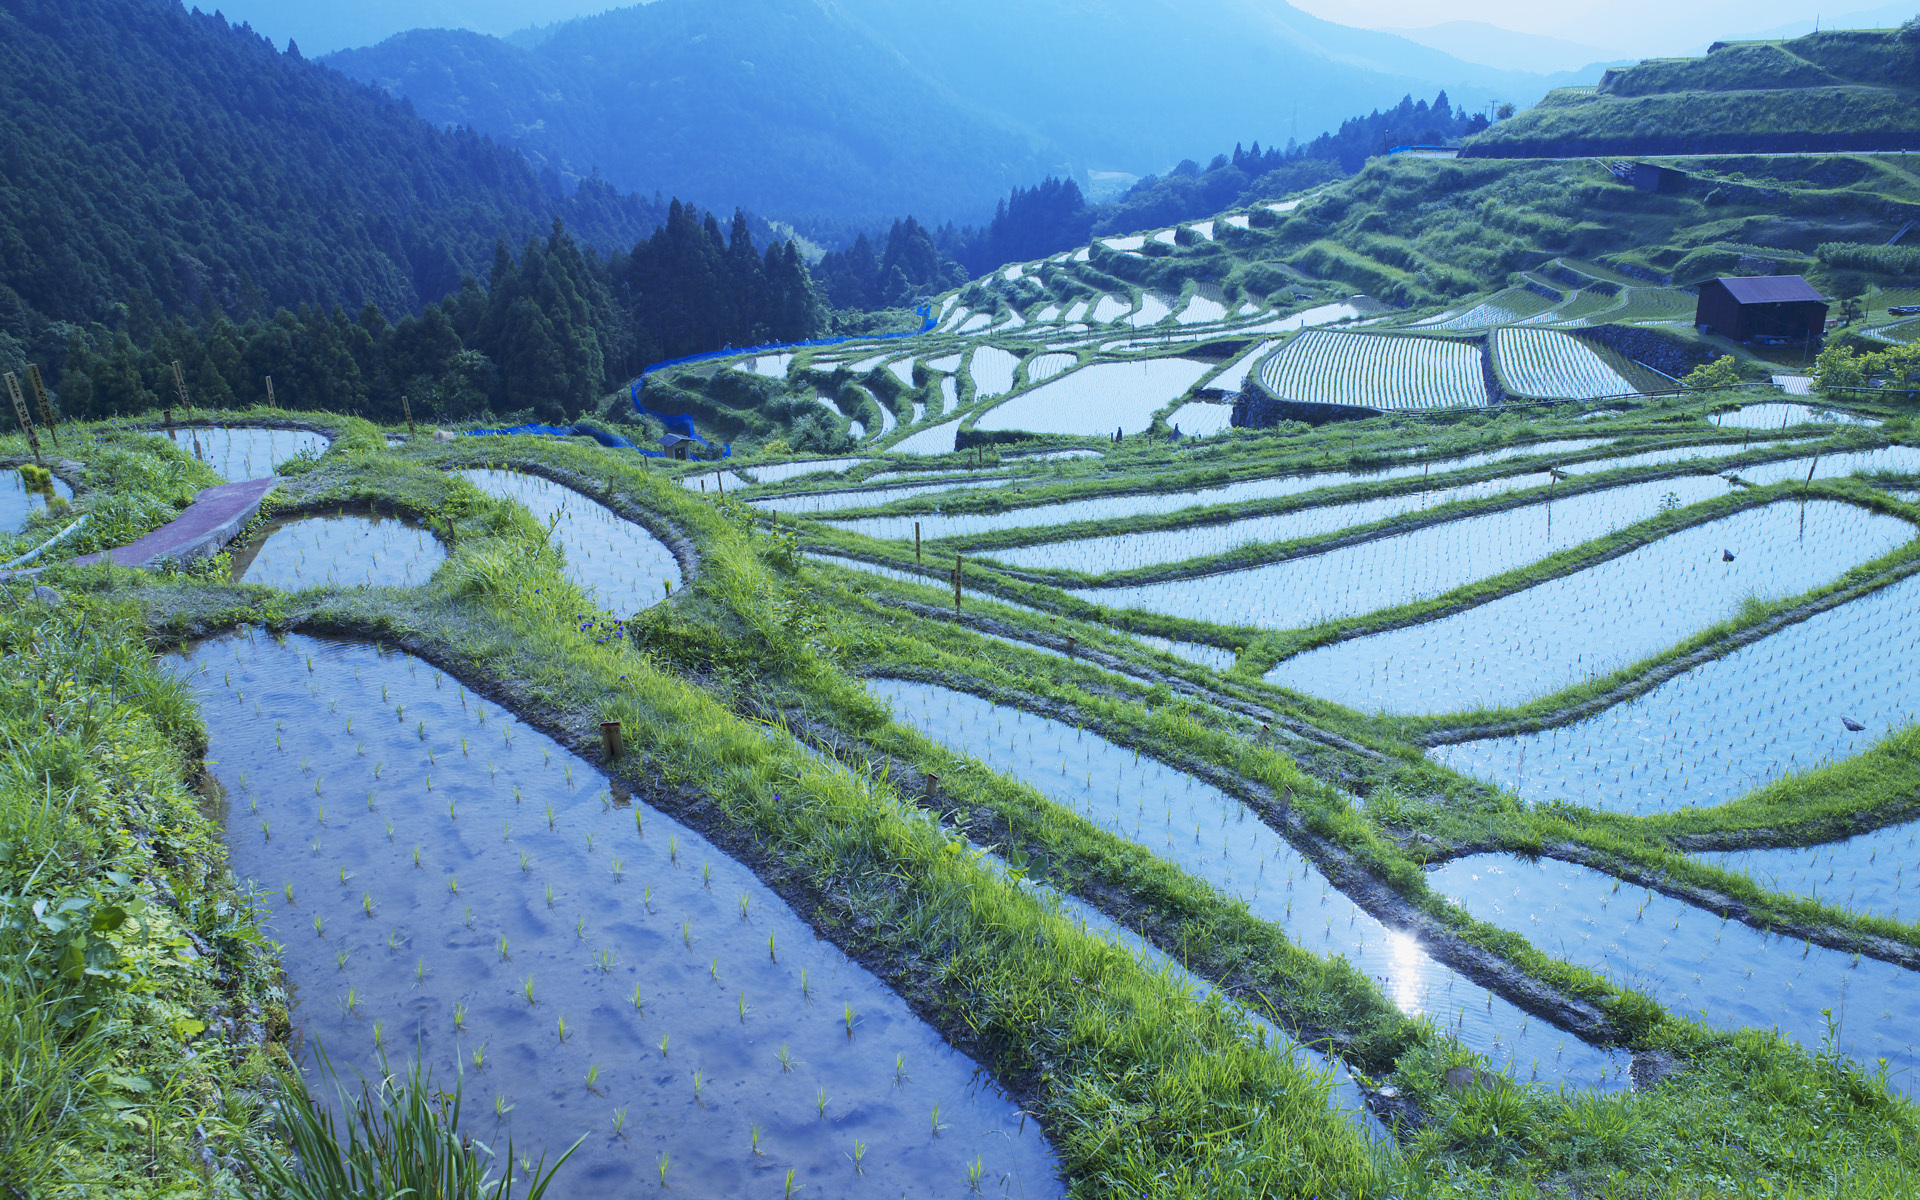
(1823, 92)
(785, 108)
(864, 109)
(155, 154)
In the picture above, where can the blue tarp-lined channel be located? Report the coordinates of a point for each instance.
(682, 423)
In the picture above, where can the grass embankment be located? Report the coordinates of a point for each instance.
(1141, 1089)
(1707, 1132)
(139, 1015)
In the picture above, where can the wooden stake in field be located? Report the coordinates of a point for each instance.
(406, 410)
(956, 583)
(33, 439)
(46, 404)
(916, 541)
(270, 403)
(611, 740)
(180, 385)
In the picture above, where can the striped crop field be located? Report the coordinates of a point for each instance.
(1376, 371)
(1549, 364)
(992, 371)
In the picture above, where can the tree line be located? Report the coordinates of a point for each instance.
(549, 334)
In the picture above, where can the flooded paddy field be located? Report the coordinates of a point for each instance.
(616, 562)
(237, 453)
(446, 880)
(1216, 839)
(339, 551)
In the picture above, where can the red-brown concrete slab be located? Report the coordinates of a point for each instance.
(215, 517)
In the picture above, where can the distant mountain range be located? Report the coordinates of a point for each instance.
(858, 109)
(1494, 46)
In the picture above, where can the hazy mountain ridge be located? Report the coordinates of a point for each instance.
(863, 108)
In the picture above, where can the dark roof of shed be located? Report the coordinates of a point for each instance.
(674, 439)
(1771, 289)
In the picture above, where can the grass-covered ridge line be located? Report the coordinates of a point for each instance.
(888, 883)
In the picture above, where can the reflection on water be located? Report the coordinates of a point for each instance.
(442, 876)
(304, 552)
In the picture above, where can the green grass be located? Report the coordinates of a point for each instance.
(1142, 1090)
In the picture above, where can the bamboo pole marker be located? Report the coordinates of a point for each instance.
(1072, 643)
(271, 404)
(720, 481)
(46, 404)
(611, 740)
(26, 422)
(406, 410)
(180, 385)
(956, 583)
(916, 541)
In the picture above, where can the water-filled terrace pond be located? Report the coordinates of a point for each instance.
(339, 551)
(1419, 564)
(18, 502)
(617, 563)
(1781, 415)
(1215, 838)
(1107, 508)
(245, 453)
(1699, 965)
(1728, 726)
(1598, 620)
(1866, 874)
(446, 878)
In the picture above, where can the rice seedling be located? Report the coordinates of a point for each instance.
(820, 1102)
(527, 989)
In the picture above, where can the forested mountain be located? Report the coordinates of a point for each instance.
(556, 329)
(867, 109)
(781, 106)
(155, 151)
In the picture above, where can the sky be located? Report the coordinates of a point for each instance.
(1627, 28)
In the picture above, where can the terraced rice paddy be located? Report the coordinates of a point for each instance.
(1720, 971)
(936, 440)
(1395, 570)
(237, 453)
(1198, 418)
(1042, 367)
(1375, 371)
(1202, 311)
(1153, 310)
(1108, 310)
(447, 880)
(1550, 364)
(1731, 725)
(18, 502)
(817, 502)
(992, 371)
(1864, 874)
(1781, 416)
(341, 551)
(1098, 399)
(618, 564)
(782, 472)
(946, 364)
(1215, 838)
(1596, 621)
(1139, 504)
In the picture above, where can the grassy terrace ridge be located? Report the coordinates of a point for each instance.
(1845, 90)
(1130, 715)
(1141, 1089)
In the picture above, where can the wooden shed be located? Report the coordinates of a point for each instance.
(1770, 308)
(676, 445)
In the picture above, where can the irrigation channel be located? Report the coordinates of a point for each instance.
(1696, 963)
(1213, 837)
(18, 502)
(1598, 620)
(1731, 725)
(618, 564)
(447, 880)
(303, 552)
(236, 453)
